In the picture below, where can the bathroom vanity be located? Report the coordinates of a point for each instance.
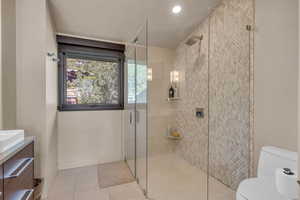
(17, 171)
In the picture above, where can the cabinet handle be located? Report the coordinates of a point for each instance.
(18, 171)
(28, 194)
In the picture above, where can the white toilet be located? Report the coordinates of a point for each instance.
(263, 187)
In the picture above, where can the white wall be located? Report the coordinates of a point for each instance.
(276, 74)
(298, 88)
(30, 40)
(36, 84)
(1, 106)
(9, 63)
(89, 138)
(50, 139)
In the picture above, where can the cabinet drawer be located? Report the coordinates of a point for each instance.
(13, 162)
(19, 175)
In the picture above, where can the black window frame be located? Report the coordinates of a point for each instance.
(70, 47)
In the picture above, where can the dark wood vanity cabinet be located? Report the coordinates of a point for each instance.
(18, 175)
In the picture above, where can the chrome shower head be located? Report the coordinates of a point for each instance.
(193, 40)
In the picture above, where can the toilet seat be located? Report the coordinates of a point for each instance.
(258, 189)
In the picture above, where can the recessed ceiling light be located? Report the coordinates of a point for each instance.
(176, 9)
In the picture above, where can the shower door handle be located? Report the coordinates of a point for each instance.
(137, 116)
(130, 117)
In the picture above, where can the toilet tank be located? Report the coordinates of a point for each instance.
(272, 158)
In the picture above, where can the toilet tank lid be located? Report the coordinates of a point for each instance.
(291, 155)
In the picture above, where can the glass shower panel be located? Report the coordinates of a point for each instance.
(141, 107)
(129, 111)
(230, 99)
(178, 137)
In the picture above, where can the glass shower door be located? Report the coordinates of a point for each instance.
(129, 111)
(141, 108)
(135, 114)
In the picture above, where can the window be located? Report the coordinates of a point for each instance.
(90, 75)
(141, 85)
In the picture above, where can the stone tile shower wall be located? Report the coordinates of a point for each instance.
(193, 67)
(218, 78)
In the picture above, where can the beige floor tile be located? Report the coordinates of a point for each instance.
(170, 178)
(82, 184)
(87, 178)
(61, 195)
(126, 192)
(91, 194)
(114, 173)
(65, 180)
(63, 187)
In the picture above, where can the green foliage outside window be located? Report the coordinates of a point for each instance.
(141, 83)
(92, 81)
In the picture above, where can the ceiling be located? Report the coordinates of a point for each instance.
(120, 20)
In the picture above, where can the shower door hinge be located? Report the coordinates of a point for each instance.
(144, 192)
(251, 28)
(248, 27)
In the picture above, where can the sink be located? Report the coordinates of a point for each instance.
(10, 138)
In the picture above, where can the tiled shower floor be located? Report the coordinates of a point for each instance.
(172, 178)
